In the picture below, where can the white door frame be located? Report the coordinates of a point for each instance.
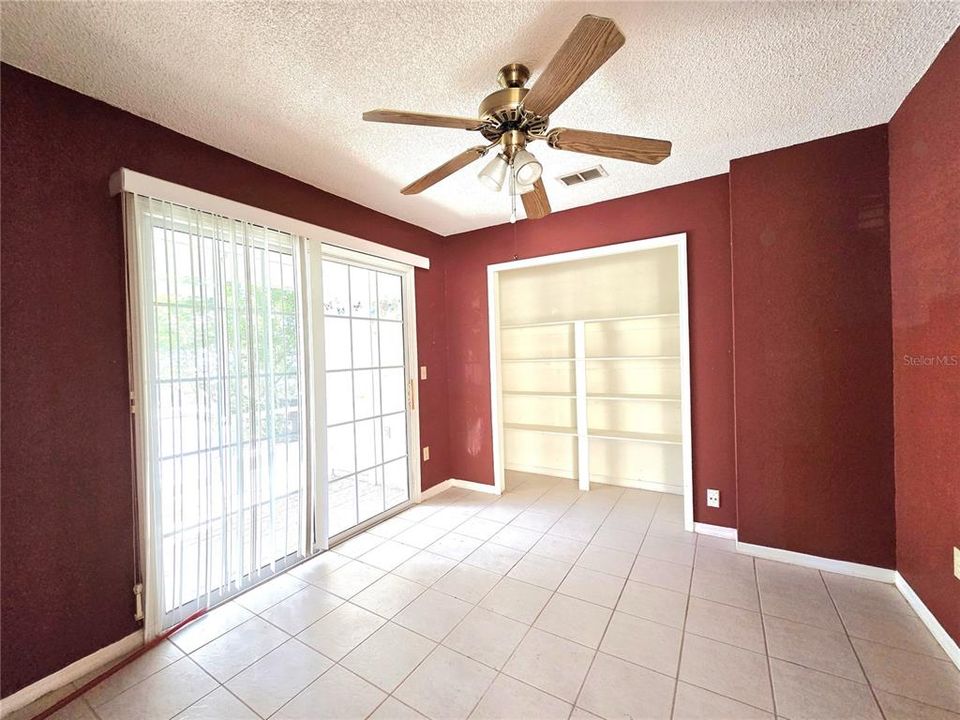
(679, 241)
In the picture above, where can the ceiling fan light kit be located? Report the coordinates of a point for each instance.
(515, 115)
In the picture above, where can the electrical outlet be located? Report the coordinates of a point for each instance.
(423, 372)
(713, 498)
(426, 453)
(956, 563)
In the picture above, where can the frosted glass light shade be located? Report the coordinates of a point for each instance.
(495, 172)
(526, 167)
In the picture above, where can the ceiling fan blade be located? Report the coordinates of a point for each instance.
(535, 203)
(621, 147)
(593, 41)
(402, 117)
(448, 168)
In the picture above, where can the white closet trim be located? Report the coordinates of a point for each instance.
(124, 180)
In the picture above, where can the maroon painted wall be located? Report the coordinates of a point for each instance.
(812, 342)
(925, 270)
(67, 528)
(699, 209)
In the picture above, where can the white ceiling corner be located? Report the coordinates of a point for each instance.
(284, 84)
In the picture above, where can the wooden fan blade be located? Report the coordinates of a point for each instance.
(593, 41)
(535, 202)
(401, 117)
(622, 147)
(448, 168)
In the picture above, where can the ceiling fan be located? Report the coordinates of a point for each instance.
(514, 116)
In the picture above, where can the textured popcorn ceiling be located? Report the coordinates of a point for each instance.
(284, 84)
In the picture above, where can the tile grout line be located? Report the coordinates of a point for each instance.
(853, 647)
(763, 630)
(683, 630)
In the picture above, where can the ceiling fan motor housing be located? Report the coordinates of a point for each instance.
(500, 111)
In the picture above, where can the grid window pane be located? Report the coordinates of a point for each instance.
(336, 289)
(339, 397)
(366, 351)
(336, 340)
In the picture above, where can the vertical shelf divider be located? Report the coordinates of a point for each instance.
(583, 442)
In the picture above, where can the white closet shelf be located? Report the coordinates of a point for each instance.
(534, 393)
(634, 357)
(551, 429)
(660, 438)
(528, 360)
(548, 323)
(634, 396)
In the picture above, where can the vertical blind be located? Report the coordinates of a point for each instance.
(222, 358)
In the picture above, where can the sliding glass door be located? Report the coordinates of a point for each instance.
(369, 391)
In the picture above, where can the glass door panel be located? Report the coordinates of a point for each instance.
(366, 378)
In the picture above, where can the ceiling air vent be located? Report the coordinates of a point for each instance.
(583, 176)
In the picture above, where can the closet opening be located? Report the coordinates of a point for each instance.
(590, 368)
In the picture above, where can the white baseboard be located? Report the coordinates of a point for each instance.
(73, 671)
(650, 485)
(948, 644)
(455, 483)
(541, 470)
(841, 567)
(720, 531)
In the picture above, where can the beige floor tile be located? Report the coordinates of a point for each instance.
(449, 518)
(693, 703)
(574, 619)
(804, 694)
(301, 610)
(812, 647)
(607, 560)
(616, 539)
(728, 563)
(162, 695)
(643, 642)
(516, 600)
(918, 677)
(420, 512)
(79, 709)
(901, 708)
(550, 663)
(592, 586)
(662, 574)
(433, 614)
(855, 593)
(420, 536)
(338, 694)
(653, 603)
(388, 656)
(716, 543)
(446, 685)
(358, 545)
(533, 520)
(500, 511)
(575, 528)
(467, 583)
(319, 566)
(581, 714)
(486, 637)
(495, 558)
(517, 538)
(558, 548)
(218, 705)
(618, 689)
(726, 670)
(210, 626)
(340, 631)
(725, 623)
(895, 629)
(350, 579)
(509, 699)
(269, 593)
(672, 531)
(540, 571)
(275, 678)
(388, 555)
(479, 528)
(726, 589)
(393, 709)
(667, 550)
(810, 607)
(244, 645)
(390, 528)
(455, 546)
(425, 568)
(388, 595)
(143, 667)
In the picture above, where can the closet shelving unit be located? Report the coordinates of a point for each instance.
(589, 357)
